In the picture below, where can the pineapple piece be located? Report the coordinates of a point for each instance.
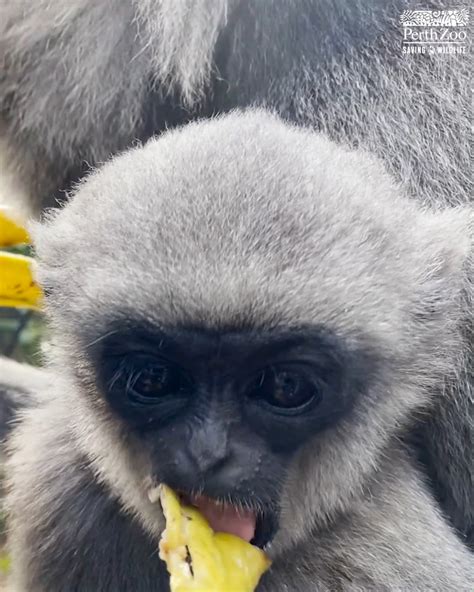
(198, 558)
(11, 233)
(17, 287)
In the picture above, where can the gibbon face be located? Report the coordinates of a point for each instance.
(248, 312)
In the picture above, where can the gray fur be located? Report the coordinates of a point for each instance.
(18, 382)
(354, 84)
(370, 264)
(78, 78)
(83, 79)
(75, 76)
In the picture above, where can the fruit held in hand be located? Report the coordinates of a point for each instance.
(198, 558)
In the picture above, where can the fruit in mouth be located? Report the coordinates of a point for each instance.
(197, 558)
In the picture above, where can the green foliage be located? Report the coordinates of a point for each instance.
(26, 250)
(21, 332)
(4, 563)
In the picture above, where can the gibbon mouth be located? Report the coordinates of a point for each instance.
(254, 527)
(265, 529)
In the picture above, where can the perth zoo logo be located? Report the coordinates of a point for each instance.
(435, 31)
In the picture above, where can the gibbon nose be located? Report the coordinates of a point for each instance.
(208, 446)
(209, 461)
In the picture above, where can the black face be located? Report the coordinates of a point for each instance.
(222, 412)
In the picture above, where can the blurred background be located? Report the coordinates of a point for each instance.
(21, 333)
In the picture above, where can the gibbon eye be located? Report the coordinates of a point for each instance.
(147, 384)
(284, 389)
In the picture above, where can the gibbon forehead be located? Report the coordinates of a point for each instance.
(240, 221)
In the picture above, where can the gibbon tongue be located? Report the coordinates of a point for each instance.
(224, 518)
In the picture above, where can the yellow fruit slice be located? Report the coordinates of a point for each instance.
(11, 233)
(18, 289)
(198, 558)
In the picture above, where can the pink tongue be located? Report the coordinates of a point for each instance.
(228, 519)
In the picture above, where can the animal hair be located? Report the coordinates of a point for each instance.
(18, 382)
(73, 90)
(75, 76)
(246, 221)
(83, 80)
